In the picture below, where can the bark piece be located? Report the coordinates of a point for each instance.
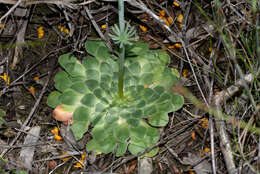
(27, 153)
(145, 165)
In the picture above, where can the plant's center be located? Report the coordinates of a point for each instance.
(118, 101)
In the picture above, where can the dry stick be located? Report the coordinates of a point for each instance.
(142, 6)
(20, 35)
(31, 2)
(211, 126)
(98, 29)
(31, 114)
(10, 10)
(69, 154)
(224, 139)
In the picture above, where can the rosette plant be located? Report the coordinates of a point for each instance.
(122, 101)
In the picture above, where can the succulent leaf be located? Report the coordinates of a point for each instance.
(97, 49)
(53, 99)
(70, 97)
(159, 119)
(71, 65)
(90, 90)
(62, 81)
(79, 128)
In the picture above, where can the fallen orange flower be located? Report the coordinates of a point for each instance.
(176, 4)
(185, 73)
(204, 122)
(32, 90)
(36, 78)
(55, 131)
(104, 26)
(207, 150)
(67, 31)
(177, 45)
(40, 32)
(180, 18)
(82, 161)
(5, 78)
(58, 137)
(193, 135)
(66, 158)
(143, 28)
(162, 13)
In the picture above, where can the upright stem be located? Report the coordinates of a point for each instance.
(121, 73)
(121, 15)
(122, 50)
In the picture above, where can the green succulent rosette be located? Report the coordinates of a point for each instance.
(89, 89)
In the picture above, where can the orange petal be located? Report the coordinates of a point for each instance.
(204, 122)
(207, 150)
(162, 13)
(36, 78)
(32, 90)
(185, 73)
(57, 137)
(177, 45)
(67, 158)
(78, 165)
(193, 135)
(176, 4)
(180, 18)
(104, 26)
(55, 131)
(67, 31)
(143, 28)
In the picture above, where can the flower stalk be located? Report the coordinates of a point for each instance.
(122, 50)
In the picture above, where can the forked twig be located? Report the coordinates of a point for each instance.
(225, 144)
